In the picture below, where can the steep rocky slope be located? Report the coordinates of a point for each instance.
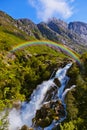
(61, 31)
(79, 28)
(29, 27)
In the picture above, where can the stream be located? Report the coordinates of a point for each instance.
(24, 116)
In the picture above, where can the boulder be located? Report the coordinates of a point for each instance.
(52, 110)
(51, 94)
(17, 104)
(25, 127)
(57, 82)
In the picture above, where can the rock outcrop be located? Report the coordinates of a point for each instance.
(50, 111)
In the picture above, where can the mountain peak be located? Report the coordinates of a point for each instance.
(80, 28)
(57, 22)
(25, 21)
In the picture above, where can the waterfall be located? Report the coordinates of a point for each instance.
(18, 118)
(35, 103)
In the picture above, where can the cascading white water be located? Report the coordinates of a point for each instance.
(24, 116)
(18, 118)
(61, 75)
(36, 101)
(66, 91)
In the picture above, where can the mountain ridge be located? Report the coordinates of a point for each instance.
(73, 34)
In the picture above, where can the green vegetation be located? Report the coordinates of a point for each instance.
(23, 70)
(3, 121)
(76, 100)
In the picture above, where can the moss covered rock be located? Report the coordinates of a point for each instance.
(25, 127)
(50, 111)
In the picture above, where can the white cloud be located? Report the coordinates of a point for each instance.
(51, 8)
(72, 0)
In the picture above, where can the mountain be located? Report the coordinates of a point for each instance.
(79, 28)
(73, 34)
(22, 27)
(29, 28)
(61, 31)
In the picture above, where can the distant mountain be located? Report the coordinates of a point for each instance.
(73, 34)
(79, 28)
(61, 31)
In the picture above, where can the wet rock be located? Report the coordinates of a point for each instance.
(51, 94)
(57, 82)
(52, 110)
(17, 104)
(25, 127)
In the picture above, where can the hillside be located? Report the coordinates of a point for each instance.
(73, 34)
(22, 70)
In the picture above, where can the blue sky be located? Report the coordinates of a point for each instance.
(41, 10)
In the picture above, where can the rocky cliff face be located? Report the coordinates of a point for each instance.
(59, 31)
(79, 28)
(29, 27)
(75, 31)
(24, 27)
(47, 32)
